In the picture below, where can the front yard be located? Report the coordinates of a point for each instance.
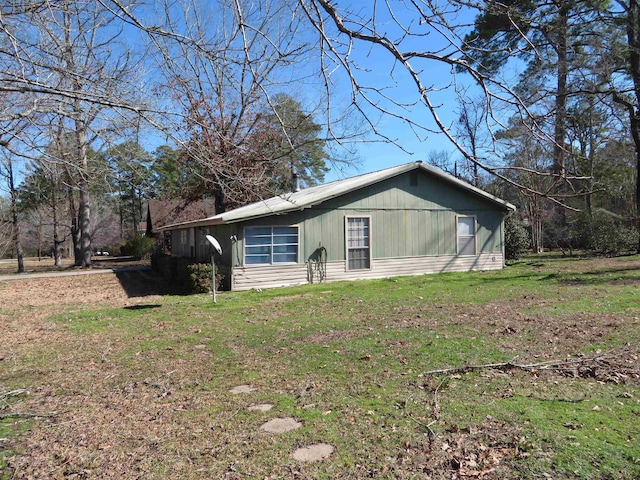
(100, 382)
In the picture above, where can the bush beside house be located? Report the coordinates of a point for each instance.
(193, 276)
(516, 238)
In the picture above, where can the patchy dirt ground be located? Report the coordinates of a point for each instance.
(99, 421)
(63, 392)
(39, 292)
(47, 296)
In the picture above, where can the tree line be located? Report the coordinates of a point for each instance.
(123, 177)
(572, 162)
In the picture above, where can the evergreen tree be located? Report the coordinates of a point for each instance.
(298, 146)
(131, 183)
(165, 173)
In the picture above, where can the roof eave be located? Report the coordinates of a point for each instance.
(192, 223)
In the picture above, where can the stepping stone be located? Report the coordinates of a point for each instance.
(280, 425)
(313, 453)
(261, 407)
(243, 389)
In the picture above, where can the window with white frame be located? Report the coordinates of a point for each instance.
(269, 245)
(466, 235)
(358, 240)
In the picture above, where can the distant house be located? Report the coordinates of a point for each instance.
(406, 220)
(161, 213)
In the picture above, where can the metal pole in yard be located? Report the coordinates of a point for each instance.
(214, 243)
(213, 278)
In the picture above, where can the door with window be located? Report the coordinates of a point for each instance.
(358, 240)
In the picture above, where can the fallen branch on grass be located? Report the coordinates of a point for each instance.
(589, 366)
(13, 393)
(425, 425)
(4, 416)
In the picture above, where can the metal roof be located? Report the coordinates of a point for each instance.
(308, 197)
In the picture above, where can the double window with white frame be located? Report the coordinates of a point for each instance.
(358, 242)
(466, 234)
(270, 245)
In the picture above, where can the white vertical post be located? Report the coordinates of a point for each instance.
(213, 278)
(214, 243)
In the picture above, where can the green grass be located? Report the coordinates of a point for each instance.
(9, 427)
(348, 359)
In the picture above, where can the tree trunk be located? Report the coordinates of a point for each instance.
(134, 207)
(537, 241)
(15, 220)
(591, 155)
(75, 231)
(16, 236)
(560, 130)
(75, 238)
(84, 210)
(39, 236)
(633, 38)
(57, 257)
(121, 214)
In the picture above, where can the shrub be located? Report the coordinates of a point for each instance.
(516, 237)
(199, 278)
(138, 246)
(608, 234)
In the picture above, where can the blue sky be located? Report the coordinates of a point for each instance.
(378, 69)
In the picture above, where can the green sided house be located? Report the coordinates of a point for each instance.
(406, 220)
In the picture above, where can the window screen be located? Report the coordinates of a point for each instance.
(267, 245)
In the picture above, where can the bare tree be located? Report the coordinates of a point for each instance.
(471, 131)
(442, 159)
(11, 128)
(7, 170)
(528, 158)
(410, 40)
(70, 57)
(5, 227)
(220, 71)
(44, 195)
(224, 67)
(252, 50)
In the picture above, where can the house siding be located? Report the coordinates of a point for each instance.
(405, 220)
(268, 276)
(395, 232)
(183, 243)
(223, 234)
(246, 278)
